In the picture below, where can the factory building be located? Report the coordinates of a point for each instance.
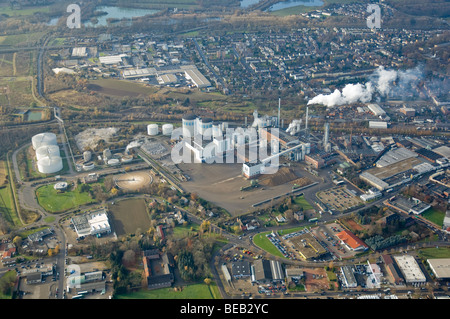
(376, 110)
(440, 268)
(410, 270)
(94, 223)
(265, 271)
(197, 78)
(193, 125)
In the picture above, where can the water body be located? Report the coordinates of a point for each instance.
(112, 12)
(247, 3)
(292, 3)
(118, 13)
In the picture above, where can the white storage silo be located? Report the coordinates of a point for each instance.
(167, 129)
(107, 154)
(50, 164)
(217, 131)
(113, 162)
(127, 158)
(47, 150)
(87, 155)
(152, 129)
(43, 139)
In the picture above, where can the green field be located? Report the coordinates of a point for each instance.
(194, 291)
(23, 11)
(301, 201)
(264, 243)
(20, 39)
(430, 253)
(434, 216)
(54, 202)
(6, 283)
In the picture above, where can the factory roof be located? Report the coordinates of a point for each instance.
(394, 156)
(409, 268)
(189, 117)
(440, 267)
(351, 240)
(443, 150)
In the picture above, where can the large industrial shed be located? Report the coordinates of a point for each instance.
(265, 271)
(440, 268)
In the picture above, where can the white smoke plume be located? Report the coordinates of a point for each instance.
(382, 81)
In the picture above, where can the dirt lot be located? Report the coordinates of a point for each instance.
(221, 184)
(327, 234)
(316, 279)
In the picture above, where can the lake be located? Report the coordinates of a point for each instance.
(247, 3)
(292, 3)
(112, 12)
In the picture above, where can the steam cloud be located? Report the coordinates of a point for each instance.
(382, 81)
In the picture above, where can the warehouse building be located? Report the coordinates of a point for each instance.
(376, 110)
(348, 277)
(410, 269)
(265, 271)
(94, 223)
(241, 269)
(392, 270)
(197, 78)
(408, 205)
(440, 268)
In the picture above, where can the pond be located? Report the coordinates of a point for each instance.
(247, 3)
(112, 12)
(292, 3)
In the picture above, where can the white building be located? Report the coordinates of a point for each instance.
(376, 109)
(94, 223)
(410, 269)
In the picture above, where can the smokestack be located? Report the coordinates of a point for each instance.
(279, 109)
(306, 120)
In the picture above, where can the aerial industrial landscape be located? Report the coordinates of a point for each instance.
(245, 150)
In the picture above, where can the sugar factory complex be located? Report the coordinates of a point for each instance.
(212, 150)
(262, 163)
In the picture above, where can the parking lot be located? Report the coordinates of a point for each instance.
(339, 198)
(327, 235)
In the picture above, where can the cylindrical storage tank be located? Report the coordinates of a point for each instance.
(50, 165)
(113, 162)
(216, 131)
(167, 129)
(107, 154)
(44, 151)
(88, 166)
(87, 155)
(127, 158)
(308, 148)
(189, 123)
(152, 129)
(43, 139)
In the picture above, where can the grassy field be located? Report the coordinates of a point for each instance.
(264, 243)
(20, 39)
(301, 201)
(6, 9)
(434, 216)
(194, 291)
(6, 198)
(54, 202)
(6, 281)
(429, 253)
